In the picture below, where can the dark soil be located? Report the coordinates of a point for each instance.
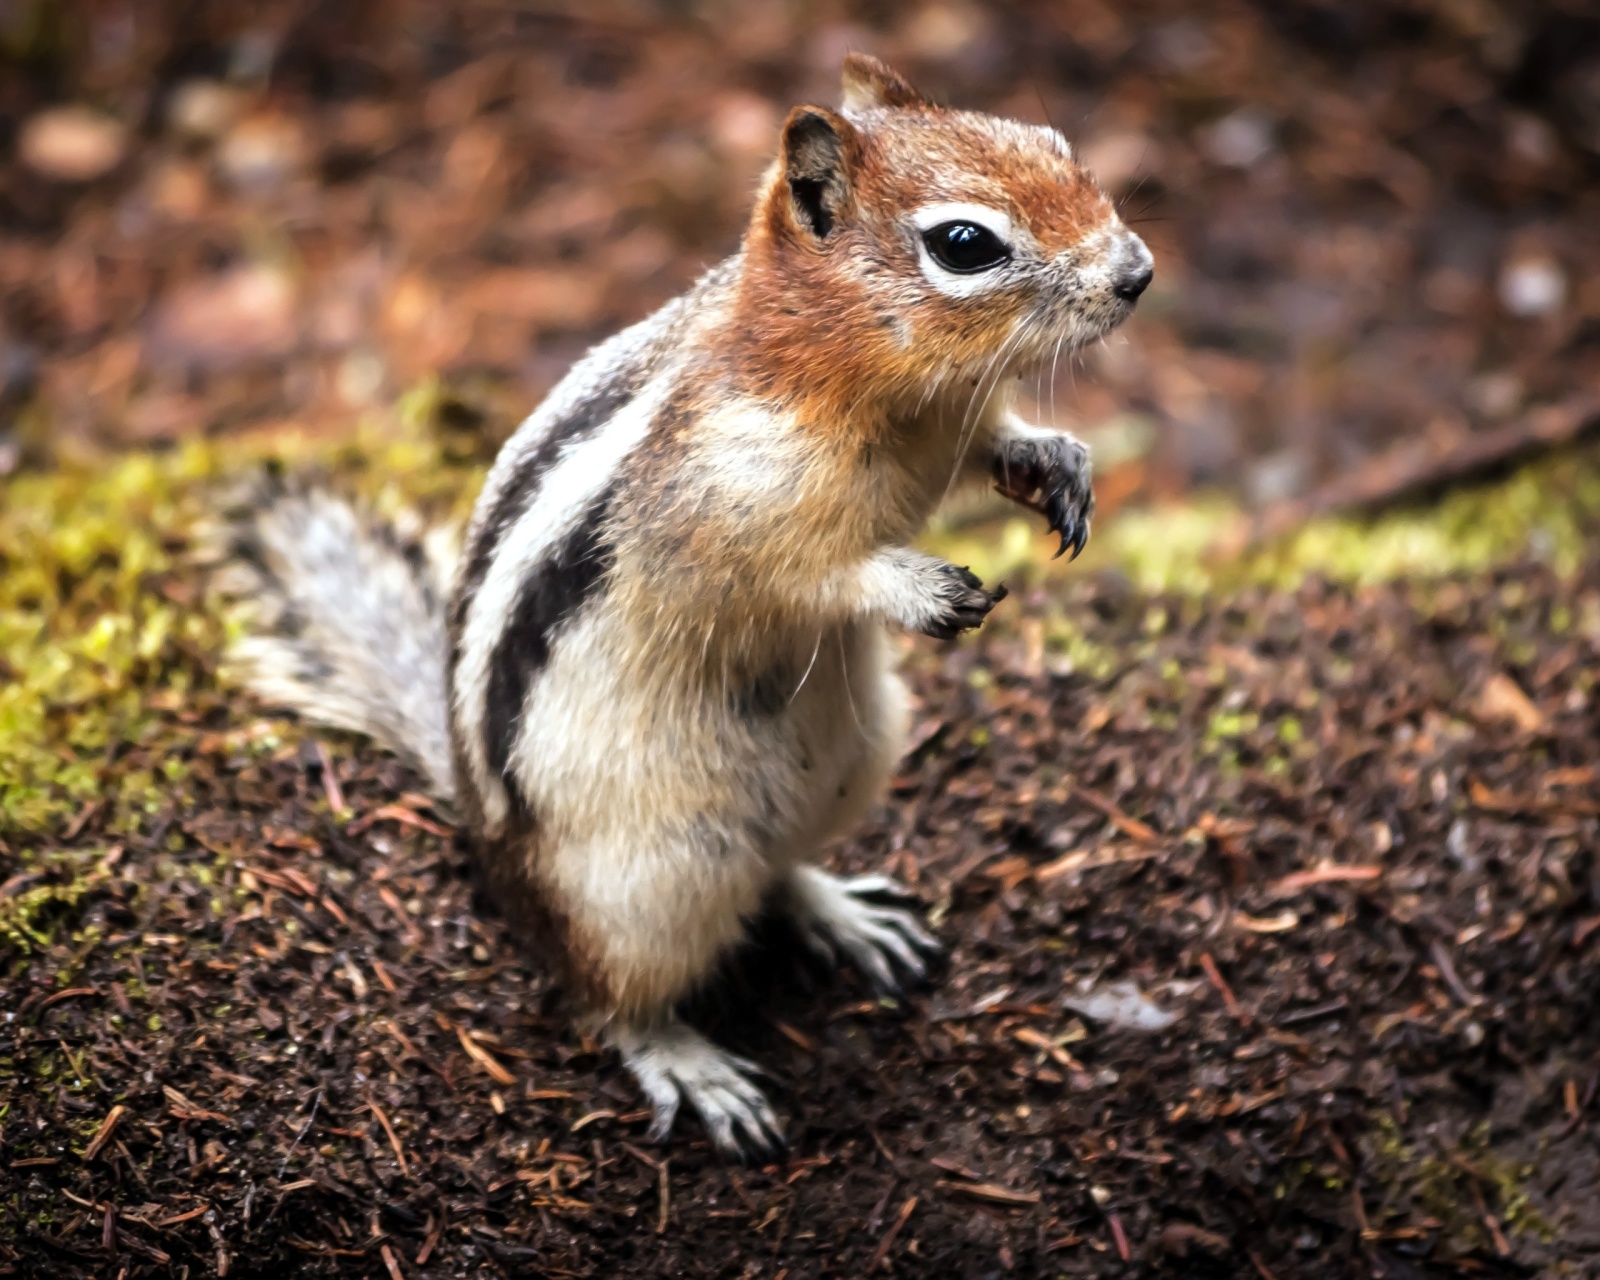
(1348, 839)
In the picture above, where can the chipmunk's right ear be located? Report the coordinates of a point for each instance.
(818, 149)
(869, 83)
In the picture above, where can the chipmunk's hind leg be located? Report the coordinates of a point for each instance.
(839, 914)
(858, 916)
(673, 1062)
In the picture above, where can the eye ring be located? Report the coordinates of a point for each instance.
(964, 247)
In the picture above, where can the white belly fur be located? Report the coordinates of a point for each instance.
(665, 816)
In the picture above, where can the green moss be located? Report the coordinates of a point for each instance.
(104, 635)
(31, 919)
(1441, 1185)
(1549, 510)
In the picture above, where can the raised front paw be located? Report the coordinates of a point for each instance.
(961, 603)
(1050, 474)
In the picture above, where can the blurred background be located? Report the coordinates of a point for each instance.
(1376, 224)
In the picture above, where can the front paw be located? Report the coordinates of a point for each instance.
(962, 602)
(1050, 475)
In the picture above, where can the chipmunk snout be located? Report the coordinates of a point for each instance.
(1134, 271)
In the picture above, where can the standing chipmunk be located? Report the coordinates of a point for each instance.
(657, 681)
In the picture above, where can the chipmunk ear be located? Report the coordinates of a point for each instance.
(818, 147)
(869, 83)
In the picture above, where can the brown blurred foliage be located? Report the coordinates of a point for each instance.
(1371, 219)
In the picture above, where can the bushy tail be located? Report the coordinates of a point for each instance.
(345, 617)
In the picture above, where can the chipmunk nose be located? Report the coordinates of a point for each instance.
(1134, 281)
(1135, 271)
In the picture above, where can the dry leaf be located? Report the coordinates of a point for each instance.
(1502, 699)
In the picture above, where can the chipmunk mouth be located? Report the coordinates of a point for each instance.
(1093, 292)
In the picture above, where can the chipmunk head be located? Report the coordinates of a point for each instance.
(898, 239)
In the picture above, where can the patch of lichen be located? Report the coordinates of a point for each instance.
(107, 639)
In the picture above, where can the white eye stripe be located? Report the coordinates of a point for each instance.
(990, 219)
(950, 283)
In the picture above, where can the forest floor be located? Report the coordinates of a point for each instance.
(1272, 913)
(1269, 867)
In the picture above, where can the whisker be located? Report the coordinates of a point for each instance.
(997, 364)
(815, 649)
(1055, 420)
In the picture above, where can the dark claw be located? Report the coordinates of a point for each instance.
(757, 1144)
(965, 607)
(1082, 539)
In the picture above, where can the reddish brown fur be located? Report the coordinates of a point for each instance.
(806, 328)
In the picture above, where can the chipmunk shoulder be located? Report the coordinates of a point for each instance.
(661, 682)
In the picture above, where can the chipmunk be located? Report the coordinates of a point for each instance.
(657, 680)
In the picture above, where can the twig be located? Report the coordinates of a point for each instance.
(1214, 976)
(1299, 880)
(1120, 1236)
(391, 1262)
(103, 1133)
(394, 1140)
(316, 1103)
(432, 1242)
(396, 813)
(1129, 826)
(666, 1196)
(1447, 970)
(880, 1255)
(1311, 1014)
(1260, 1266)
(483, 1057)
(1408, 474)
(990, 1191)
(71, 993)
(330, 784)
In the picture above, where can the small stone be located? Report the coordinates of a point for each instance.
(1241, 139)
(261, 152)
(1277, 477)
(360, 378)
(203, 109)
(1495, 395)
(1120, 1004)
(241, 315)
(1533, 286)
(72, 144)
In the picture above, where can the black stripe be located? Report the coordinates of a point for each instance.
(586, 418)
(550, 596)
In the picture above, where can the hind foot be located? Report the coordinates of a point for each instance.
(837, 914)
(674, 1062)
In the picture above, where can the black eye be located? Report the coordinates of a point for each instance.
(965, 246)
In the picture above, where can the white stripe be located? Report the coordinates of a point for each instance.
(955, 284)
(566, 492)
(995, 220)
(583, 381)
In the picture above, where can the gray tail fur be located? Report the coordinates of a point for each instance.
(344, 615)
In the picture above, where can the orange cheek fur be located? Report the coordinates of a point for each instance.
(810, 330)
